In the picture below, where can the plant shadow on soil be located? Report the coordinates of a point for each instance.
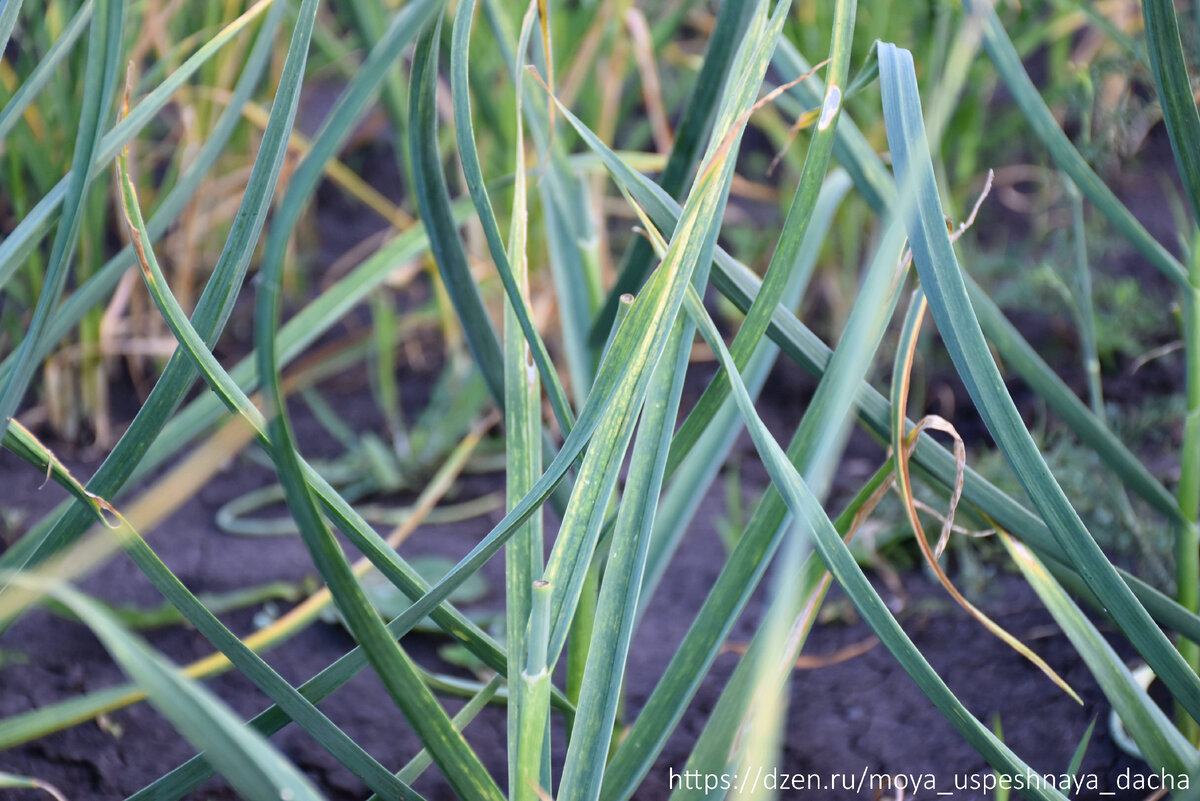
(859, 715)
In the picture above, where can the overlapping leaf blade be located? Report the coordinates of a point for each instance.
(212, 311)
(433, 198)
(249, 663)
(1044, 126)
(102, 73)
(255, 769)
(1160, 741)
(1175, 92)
(943, 284)
(40, 218)
(465, 136)
(10, 115)
(837, 558)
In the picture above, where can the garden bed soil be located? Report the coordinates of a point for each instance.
(860, 715)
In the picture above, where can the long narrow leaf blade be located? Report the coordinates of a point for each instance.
(433, 197)
(1159, 740)
(1041, 120)
(944, 286)
(841, 564)
(101, 76)
(1175, 93)
(254, 768)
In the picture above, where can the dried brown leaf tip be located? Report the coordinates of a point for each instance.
(904, 449)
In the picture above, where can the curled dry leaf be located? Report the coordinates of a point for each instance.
(903, 446)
